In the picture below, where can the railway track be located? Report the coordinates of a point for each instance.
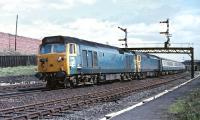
(22, 92)
(38, 88)
(20, 87)
(17, 90)
(57, 106)
(9, 83)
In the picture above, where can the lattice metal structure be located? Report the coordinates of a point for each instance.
(173, 50)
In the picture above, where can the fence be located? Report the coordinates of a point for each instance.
(17, 60)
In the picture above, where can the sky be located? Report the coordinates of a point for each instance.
(98, 20)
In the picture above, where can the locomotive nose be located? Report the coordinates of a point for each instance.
(51, 63)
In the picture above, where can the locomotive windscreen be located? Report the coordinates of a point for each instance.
(52, 48)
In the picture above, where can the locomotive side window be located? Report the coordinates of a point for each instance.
(72, 49)
(84, 58)
(95, 61)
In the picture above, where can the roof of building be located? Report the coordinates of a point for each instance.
(188, 62)
(196, 61)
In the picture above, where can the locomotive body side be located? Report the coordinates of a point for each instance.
(79, 59)
(98, 59)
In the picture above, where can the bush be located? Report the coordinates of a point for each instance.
(15, 71)
(188, 108)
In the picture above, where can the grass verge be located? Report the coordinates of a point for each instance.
(187, 108)
(15, 71)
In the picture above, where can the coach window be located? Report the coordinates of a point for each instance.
(72, 48)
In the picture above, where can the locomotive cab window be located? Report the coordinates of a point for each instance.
(58, 48)
(72, 48)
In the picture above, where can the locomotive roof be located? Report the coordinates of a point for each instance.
(147, 54)
(67, 39)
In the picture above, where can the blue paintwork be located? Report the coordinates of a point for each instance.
(149, 62)
(109, 60)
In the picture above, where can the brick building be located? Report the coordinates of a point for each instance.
(24, 45)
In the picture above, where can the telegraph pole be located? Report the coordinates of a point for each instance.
(125, 38)
(166, 44)
(16, 33)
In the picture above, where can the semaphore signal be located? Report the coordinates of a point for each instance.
(167, 34)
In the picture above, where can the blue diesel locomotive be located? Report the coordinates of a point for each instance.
(68, 61)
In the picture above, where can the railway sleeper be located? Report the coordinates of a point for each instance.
(66, 107)
(58, 114)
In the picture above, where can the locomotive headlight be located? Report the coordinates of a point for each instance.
(60, 59)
